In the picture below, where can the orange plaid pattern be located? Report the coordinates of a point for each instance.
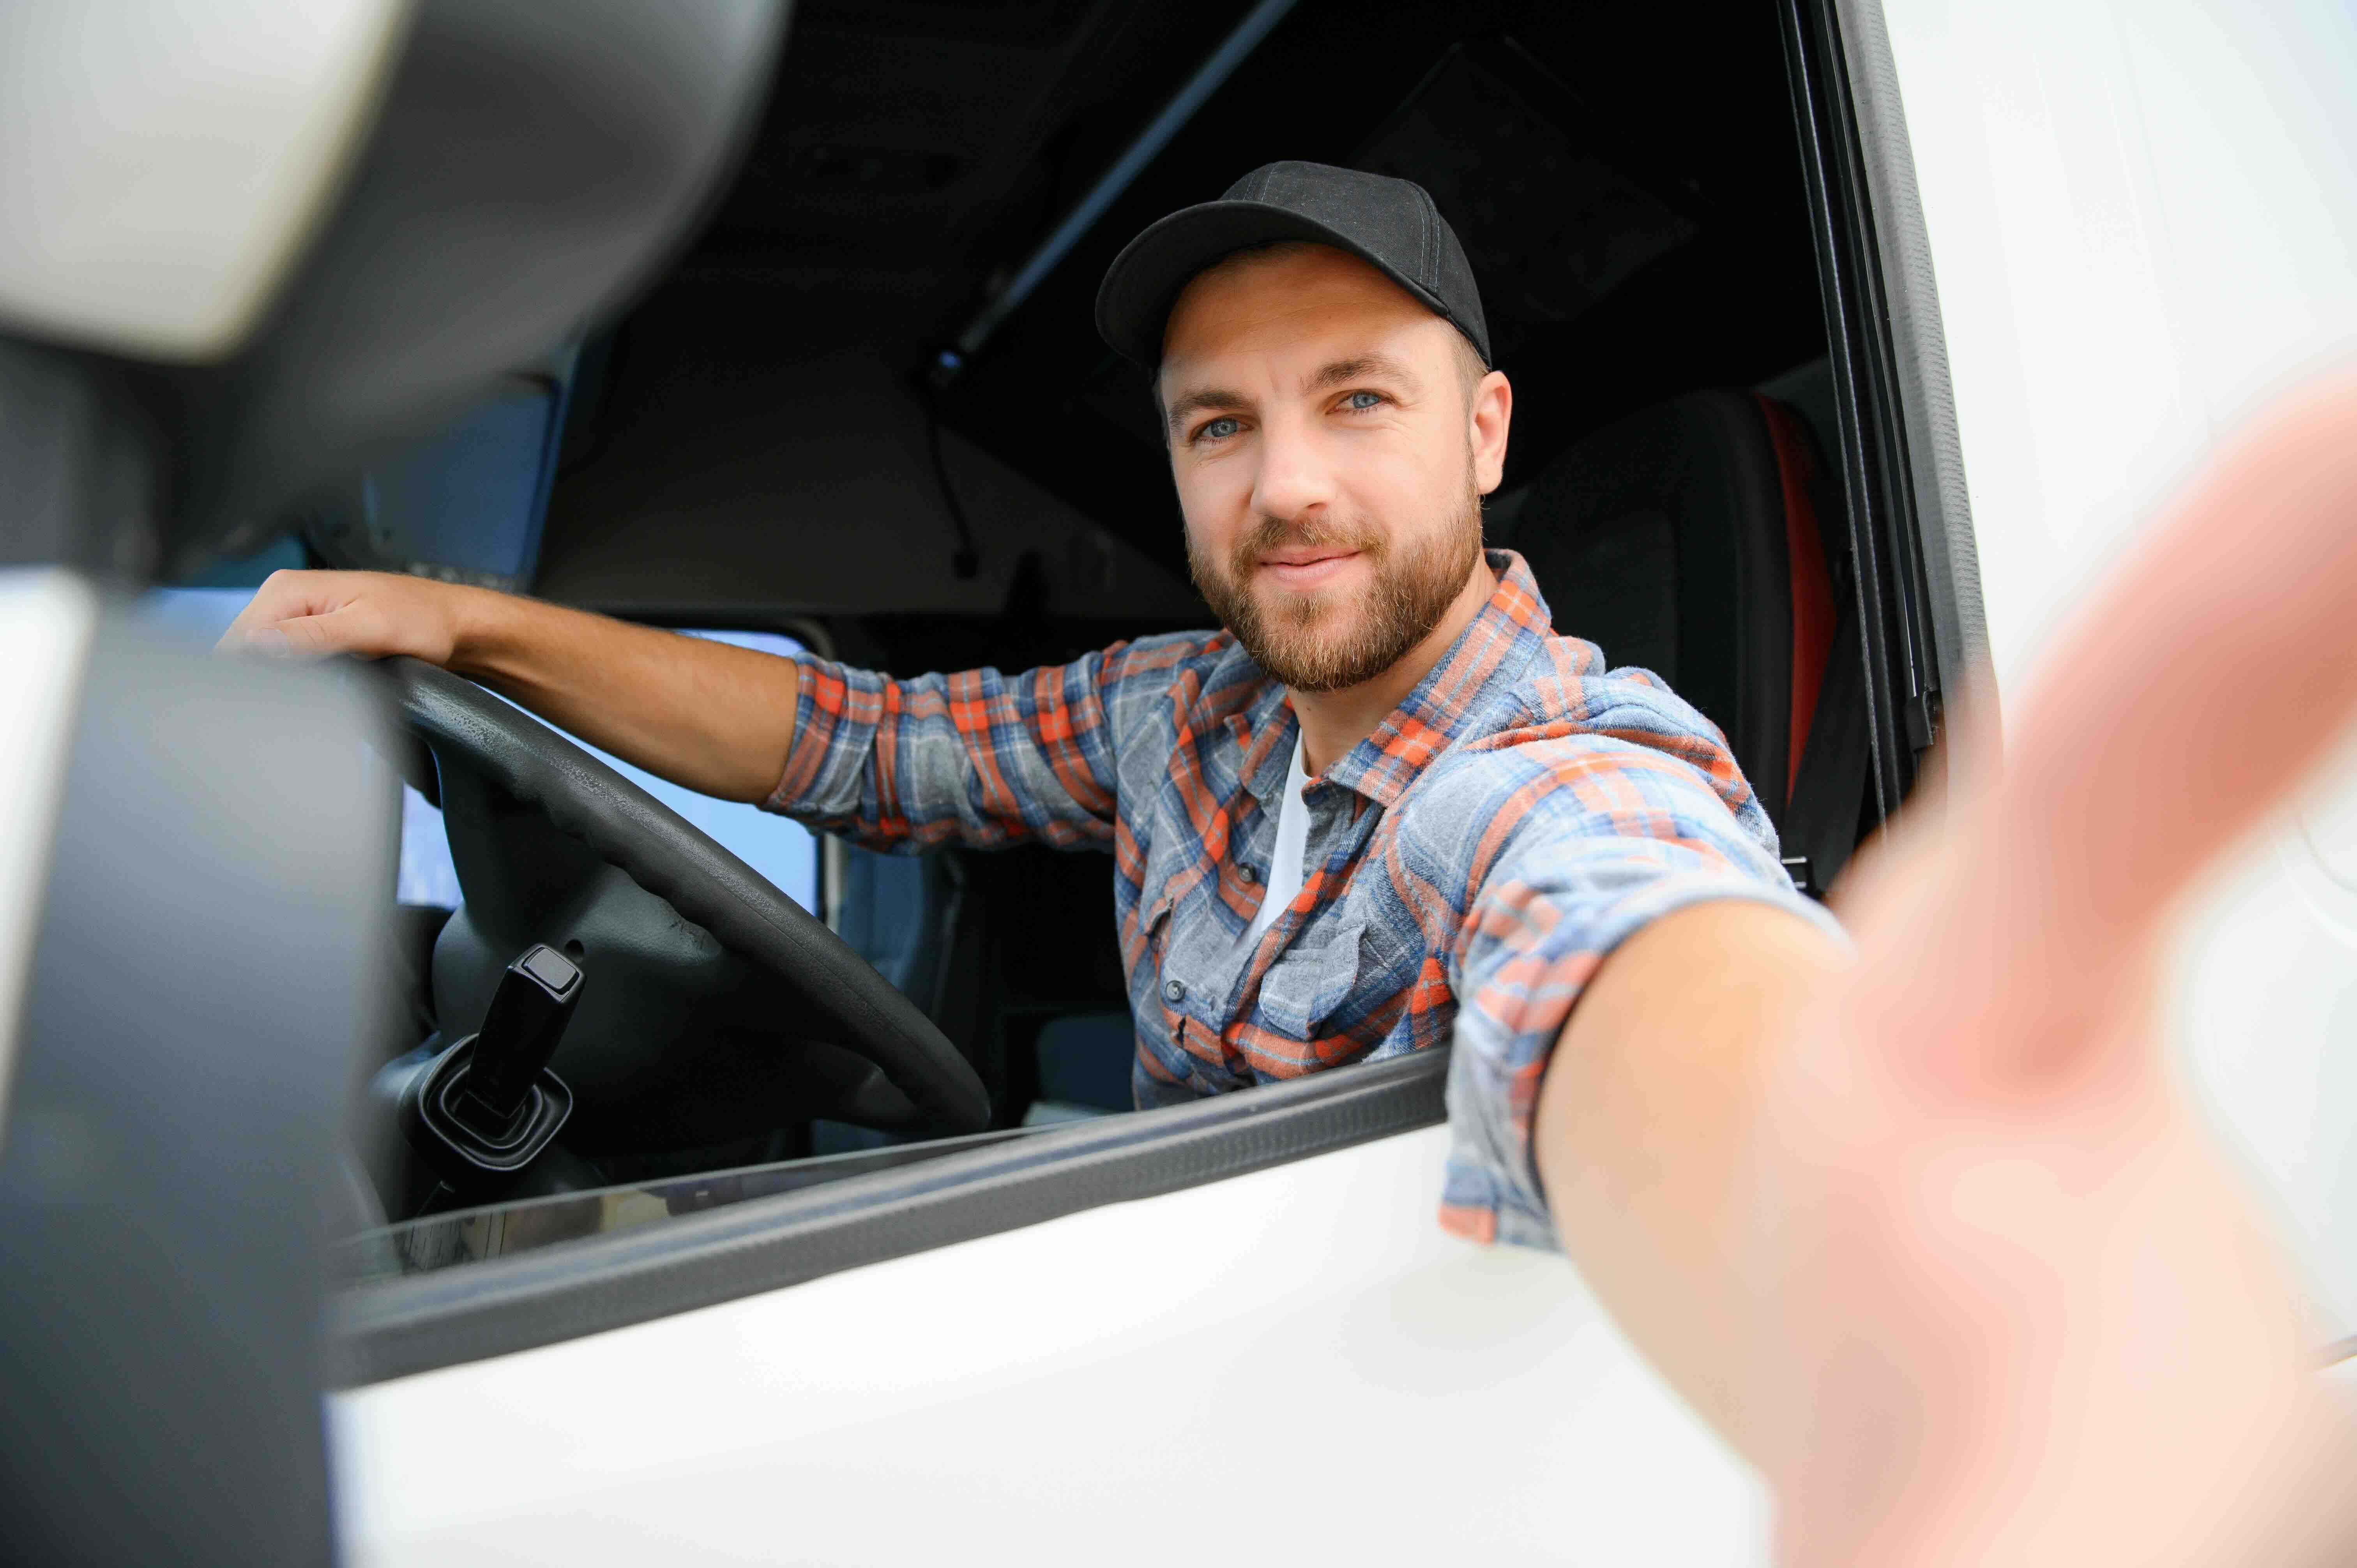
(1470, 864)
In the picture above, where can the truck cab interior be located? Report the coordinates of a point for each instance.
(863, 411)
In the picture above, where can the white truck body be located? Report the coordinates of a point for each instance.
(2143, 220)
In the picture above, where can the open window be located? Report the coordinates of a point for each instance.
(871, 401)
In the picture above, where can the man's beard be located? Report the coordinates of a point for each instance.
(1325, 641)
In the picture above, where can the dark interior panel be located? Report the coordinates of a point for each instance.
(1623, 175)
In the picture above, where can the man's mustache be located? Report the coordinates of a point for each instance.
(1271, 534)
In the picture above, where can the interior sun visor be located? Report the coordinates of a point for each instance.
(527, 166)
(164, 162)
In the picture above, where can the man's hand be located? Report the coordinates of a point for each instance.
(704, 714)
(1991, 1293)
(2019, 1309)
(375, 614)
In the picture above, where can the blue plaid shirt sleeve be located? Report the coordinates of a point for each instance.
(1575, 842)
(977, 759)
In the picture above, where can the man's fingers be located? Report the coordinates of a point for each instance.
(265, 639)
(310, 614)
(283, 596)
(2200, 686)
(317, 635)
(345, 629)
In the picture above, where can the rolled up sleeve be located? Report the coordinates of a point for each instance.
(1591, 840)
(977, 759)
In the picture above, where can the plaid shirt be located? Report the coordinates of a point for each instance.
(1468, 864)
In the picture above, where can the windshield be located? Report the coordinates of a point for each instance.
(782, 851)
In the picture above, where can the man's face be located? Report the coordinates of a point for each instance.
(1332, 439)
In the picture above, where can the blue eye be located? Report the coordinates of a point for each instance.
(1218, 429)
(1360, 401)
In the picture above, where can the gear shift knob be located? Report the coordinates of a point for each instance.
(486, 1107)
(520, 1034)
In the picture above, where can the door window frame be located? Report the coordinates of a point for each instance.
(1901, 478)
(1908, 520)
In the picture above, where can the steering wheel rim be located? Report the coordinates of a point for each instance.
(848, 1002)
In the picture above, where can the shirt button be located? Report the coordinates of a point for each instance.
(1174, 991)
(1247, 875)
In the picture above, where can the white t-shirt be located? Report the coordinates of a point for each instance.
(1291, 842)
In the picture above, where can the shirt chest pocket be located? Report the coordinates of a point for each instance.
(1306, 986)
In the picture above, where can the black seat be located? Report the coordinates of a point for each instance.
(1684, 539)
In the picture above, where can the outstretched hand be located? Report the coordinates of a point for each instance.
(2013, 1305)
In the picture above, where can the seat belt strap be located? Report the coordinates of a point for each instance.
(1820, 827)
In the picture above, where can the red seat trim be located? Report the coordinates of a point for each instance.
(1813, 588)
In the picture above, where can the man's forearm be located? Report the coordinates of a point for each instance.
(713, 717)
(1639, 1124)
(708, 715)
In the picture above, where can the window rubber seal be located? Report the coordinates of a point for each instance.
(1918, 346)
(500, 1305)
(1921, 611)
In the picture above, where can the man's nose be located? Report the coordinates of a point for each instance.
(1295, 480)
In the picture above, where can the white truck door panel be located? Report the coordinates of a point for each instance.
(1295, 1364)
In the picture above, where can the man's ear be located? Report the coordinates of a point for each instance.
(1492, 413)
(1161, 411)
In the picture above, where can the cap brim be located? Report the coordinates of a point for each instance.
(1144, 281)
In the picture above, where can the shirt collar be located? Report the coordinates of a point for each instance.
(1262, 730)
(1496, 646)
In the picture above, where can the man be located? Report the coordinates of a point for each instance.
(1388, 808)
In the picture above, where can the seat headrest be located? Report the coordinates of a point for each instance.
(524, 166)
(1683, 539)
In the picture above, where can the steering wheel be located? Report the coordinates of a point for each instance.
(713, 1005)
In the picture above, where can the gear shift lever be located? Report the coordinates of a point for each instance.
(488, 1104)
(527, 1017)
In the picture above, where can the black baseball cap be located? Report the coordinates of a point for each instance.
(1391, 225)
